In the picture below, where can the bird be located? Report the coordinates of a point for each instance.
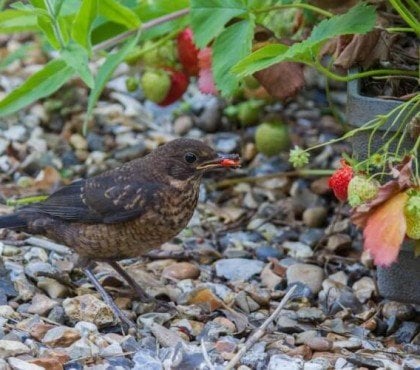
(124, 212)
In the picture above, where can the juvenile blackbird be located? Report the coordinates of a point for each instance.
(127, 211)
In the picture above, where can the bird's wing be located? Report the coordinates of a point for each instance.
(99, 199)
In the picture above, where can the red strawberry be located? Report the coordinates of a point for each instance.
(339, 181)
(179, 84)
(187, 52)
(205, 80)
(164, 87)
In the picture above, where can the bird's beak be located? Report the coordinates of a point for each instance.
(222, 161)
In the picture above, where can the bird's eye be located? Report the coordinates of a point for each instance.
(190, 157)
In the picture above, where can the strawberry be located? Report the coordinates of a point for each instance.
(179, 84)
(164, 87)
(187, 52)
(412, 214)
(339, 181)
(361, 190)
(156, 84)
(205, 79)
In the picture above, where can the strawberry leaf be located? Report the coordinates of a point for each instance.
(209, 17)
(227, 51)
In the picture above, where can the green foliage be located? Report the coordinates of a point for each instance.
(209, 17)
(359, 19)
(227, 51)
(114, 11)
(41, 84)
(82, 25)
(12, 21)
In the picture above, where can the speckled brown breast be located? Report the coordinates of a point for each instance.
(168, 216)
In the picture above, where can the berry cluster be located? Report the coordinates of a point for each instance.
(168, 68)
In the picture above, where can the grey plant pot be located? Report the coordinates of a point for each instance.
(401, 281)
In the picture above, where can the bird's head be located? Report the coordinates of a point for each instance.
(188, 158)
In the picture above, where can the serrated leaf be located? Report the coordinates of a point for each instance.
(77, 58)
(82, 25)
(17, 21)
(209, 17)
(105, 72)
(118, 13)
(226, 53)
(41, 84)
(358, 20)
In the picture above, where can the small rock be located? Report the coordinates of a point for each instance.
(38, 330)
(226, 142)
(338, 242)
(314, 216)
(245, 303)
(310, 314)
(15, 133)
(82, 348)
(41, 304)
(78, 142)
(144, 359)
(52, 287)
(311, 236)
(406, 331)
(309, 275)
(33, 269)
(266, 251)
(284, 362)
(48, 363)
(364, 289)
(10, 348)
(88, 308)
(60, 336)
(181, 271)
(8, 312)
(298, 250)
(340, 277)
(350, 344)
(402, 311)
(57, 315)
(114, 349)
(319, 344)
(183, 124)
(288, 325)
(238, 268)
(18, 364)
(86, 328)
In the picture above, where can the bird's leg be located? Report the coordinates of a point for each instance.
(107, 298)
(131, 282)
(144, 297)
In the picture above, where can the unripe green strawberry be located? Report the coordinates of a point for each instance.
(155, 84)
(131, 83)
(412, 214)
(361, 190)
(249, 111)
(272, 137)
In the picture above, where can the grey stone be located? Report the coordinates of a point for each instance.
(285, 362)
(238, 268)
(309, 275)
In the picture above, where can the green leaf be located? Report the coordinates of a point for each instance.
(46, 25)
(118, 13)
(82, 25)
(12, 21)
(105, 72)
(209, 17)
(227, 51)
(358, 20)
(77, 58)
(41, 84)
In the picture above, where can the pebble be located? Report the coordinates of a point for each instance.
(183, 125)
(144, 359)
(10, 348)
(32, 269)
(82, 348)
(364, 289)
(8, 312)
(60, 336)
(18, 364)
(352, 343)
(310, 314)
(238, 268)
(226, 142)
(41, 305)
(402, 311)
(314, 216)
(406, 331)
(15, 133)
(88, 308)
(285, 362)
(86, 328)
(310, 275)
(265, 252)
(319, 344)
(338, 242)
(181, 271)
(311, 236)
(298, 250)
(78, 142)
(52, 287)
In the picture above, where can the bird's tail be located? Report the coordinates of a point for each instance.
(12, 221)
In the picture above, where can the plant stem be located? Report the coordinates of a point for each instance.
(145, 26)
(406, 15)
(375, 72)
(54, 23)
(301, 6)
(399, 29)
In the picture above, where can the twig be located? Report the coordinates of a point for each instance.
(145, 26)
(308, 172)
(260, 332)
(206, 356)
(46, 244)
